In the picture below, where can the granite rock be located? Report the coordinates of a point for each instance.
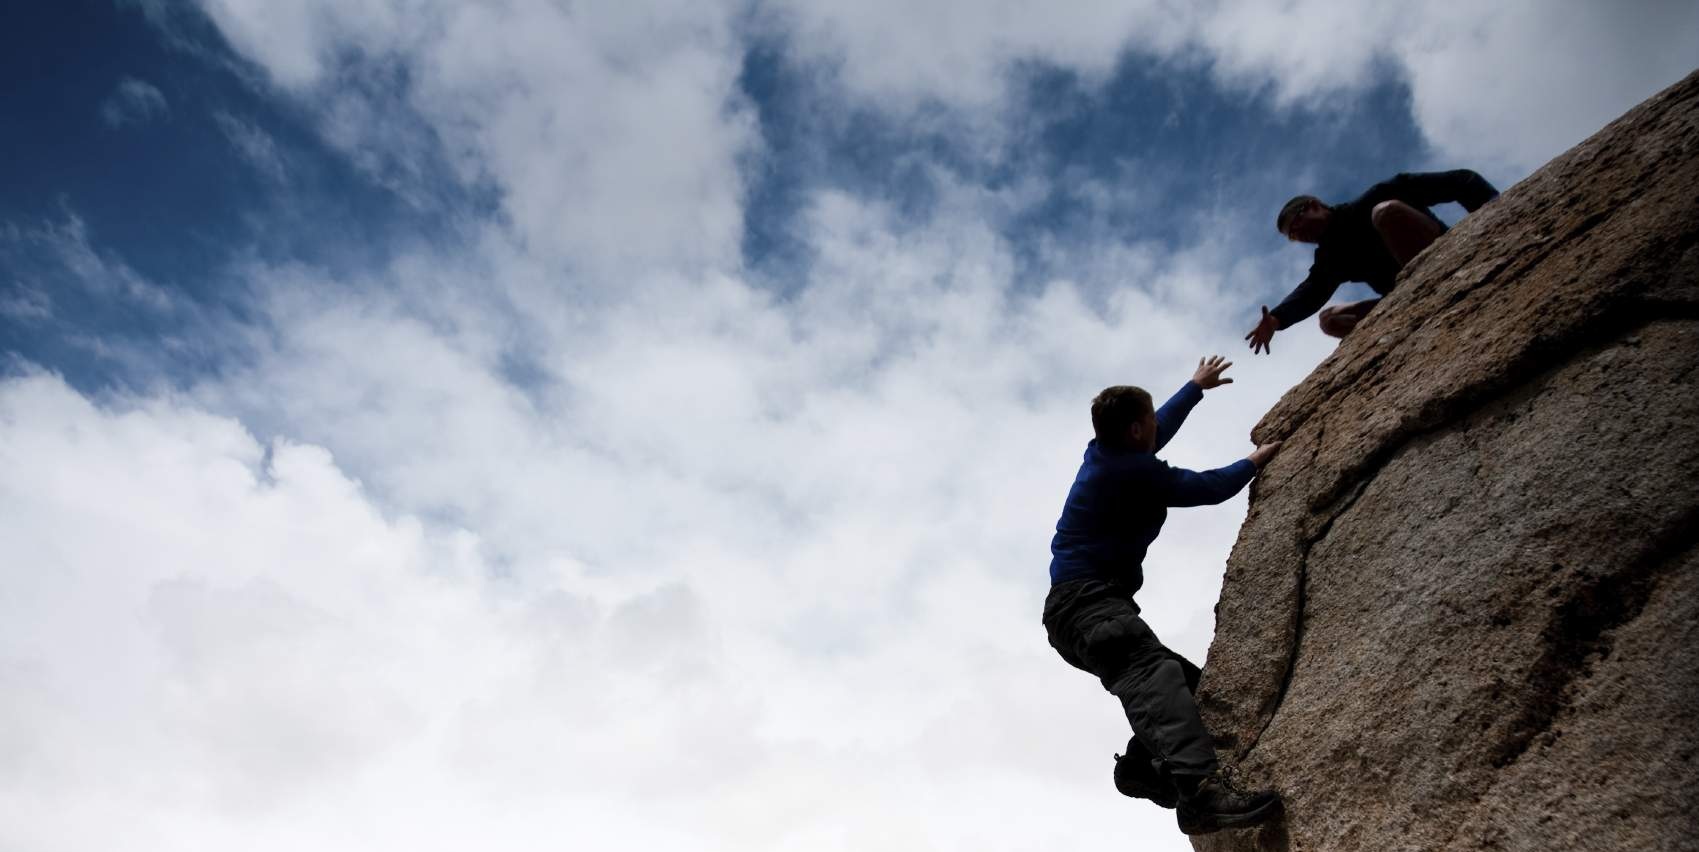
(1463, 610)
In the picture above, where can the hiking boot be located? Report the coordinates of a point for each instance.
(1135, 777)
(1215, 804)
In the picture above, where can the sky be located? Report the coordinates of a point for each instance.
(538, 425)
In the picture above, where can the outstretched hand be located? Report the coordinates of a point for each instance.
(1264, 331)
(1210, 370)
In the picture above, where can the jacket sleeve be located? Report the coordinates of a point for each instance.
(1429, 188)
(1308, 296)
(1174, 411)
(1181, 487)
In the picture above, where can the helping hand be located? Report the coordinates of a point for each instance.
(1209, 372)
(1264, 332)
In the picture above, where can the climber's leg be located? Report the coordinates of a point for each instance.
(1151, 684)
(1404, 229)
(1339, 320)
(1096, 627)
(1136, 772)
(1152, 689)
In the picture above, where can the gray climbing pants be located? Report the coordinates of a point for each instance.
(1096, 627)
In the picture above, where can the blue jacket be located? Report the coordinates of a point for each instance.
(1121, 497)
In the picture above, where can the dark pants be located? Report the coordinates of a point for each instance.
(1095, 626)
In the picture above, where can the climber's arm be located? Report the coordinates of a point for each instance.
(1174, 411)
(1181, 487)
(1427, 189)
(1305, 299)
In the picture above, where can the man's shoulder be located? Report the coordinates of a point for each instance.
(1135, 464)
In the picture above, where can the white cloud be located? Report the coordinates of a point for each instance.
(26, 304)
(960, 51)
(61, 281)
(1502, 86)
(1515, 84)
(737, 574)
(62, 252)
(255, 145)
(133, 102)
(612, 130)
(206, 636)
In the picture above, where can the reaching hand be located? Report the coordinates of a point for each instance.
(1264, 332)
(1262, 454)
(1210, 370)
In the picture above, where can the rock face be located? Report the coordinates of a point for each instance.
(1463, 612)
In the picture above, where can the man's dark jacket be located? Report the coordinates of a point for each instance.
(1352, 250)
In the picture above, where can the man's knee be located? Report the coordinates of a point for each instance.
(1400, 216)
(1387, 212)
(1404, 229)
(1116, 643)
(1152, 676)
(1336, 322)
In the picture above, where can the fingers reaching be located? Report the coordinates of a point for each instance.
(1264, 331)
(1208, 373)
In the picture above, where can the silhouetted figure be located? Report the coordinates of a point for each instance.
(1114, 510)
(1368, 240)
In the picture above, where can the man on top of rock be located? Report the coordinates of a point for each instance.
(1115, 509)
(1368, 240)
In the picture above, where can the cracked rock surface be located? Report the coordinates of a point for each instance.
(1463, 611)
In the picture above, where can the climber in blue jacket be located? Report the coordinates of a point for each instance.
(1114, 510)
(1367, 239)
